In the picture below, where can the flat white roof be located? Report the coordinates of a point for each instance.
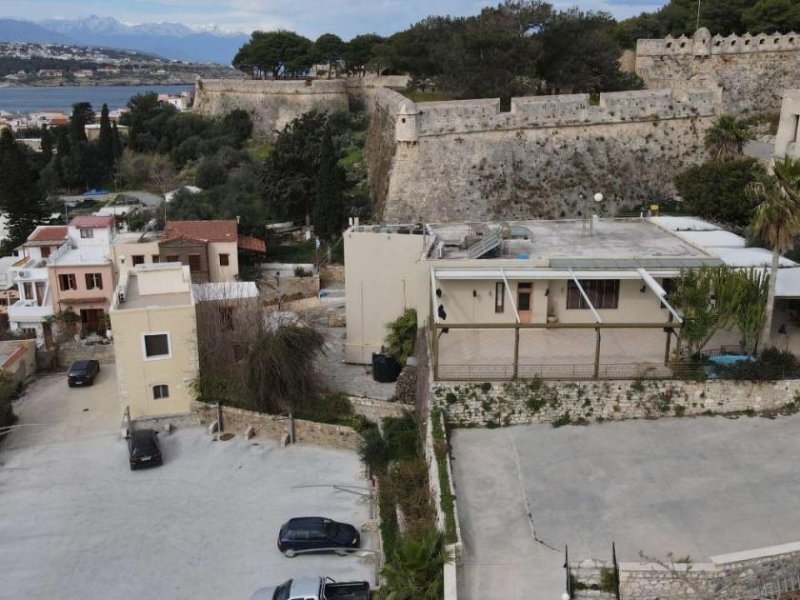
(87, 255)
(716, 237)
(684, 224)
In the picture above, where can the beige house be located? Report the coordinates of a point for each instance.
(535, 298)
(209, 248)
(155, 339)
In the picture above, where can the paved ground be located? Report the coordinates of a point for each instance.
(355, 380)
(75, 522)
(700, 487)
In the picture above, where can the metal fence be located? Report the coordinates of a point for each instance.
(589, 371)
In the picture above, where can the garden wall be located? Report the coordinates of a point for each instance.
(563, 402)
(237, 420)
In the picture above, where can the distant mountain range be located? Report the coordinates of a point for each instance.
(168, 40)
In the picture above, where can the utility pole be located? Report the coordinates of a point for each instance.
(697, 24)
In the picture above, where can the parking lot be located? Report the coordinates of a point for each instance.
(693, 487)
(75, 522)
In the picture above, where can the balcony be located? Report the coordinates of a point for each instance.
(28, 310)
(30, 274)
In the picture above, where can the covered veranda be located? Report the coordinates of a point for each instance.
(598, 348)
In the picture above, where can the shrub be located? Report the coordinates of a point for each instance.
(8, 389)
(402, 336)
(301, 272)
(402, 438)
(327, 408)
(771, 365)
(373, 450)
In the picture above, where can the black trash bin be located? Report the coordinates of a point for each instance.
(385, 369)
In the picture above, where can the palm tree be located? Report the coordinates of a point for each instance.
(726, 137)
(776, 220)
(416, 573)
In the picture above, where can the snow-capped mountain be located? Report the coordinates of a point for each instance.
(170, 40)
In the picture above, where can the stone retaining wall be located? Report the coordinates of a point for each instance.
(375, 410)
(741, 576)
(237, 420)
(562, 402)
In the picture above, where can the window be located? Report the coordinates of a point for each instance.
(156, 345)
(173, 258)
(94, 281)
(499, 297)
(155, 258)
(223, 260)
(194, 262)
(138, 259)
(45, 251)
(67, 282)
(87, 233)
(160, 391)
(602, 293)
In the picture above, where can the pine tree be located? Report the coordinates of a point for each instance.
(20, 197)
(106, 143)
(327, 214)
(47, 143)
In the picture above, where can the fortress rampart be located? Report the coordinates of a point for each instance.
(544, 158)
(272, 104)
(754, 71)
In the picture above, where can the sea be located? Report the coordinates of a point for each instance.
(37, 99)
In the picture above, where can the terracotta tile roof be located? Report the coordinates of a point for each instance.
(202, 231)
(48, 233)
(92, 221)
(250, 243)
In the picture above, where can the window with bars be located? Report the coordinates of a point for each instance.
(160, 391)
(499, 297)
(138, 259)
(602, 293)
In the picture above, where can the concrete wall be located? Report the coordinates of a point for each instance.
(753, 71)
(536, 401)
(217, 272)
(467, 160)
(787, 141)
(272, 104)
(137, 375)
(383, 277)
(20, 359)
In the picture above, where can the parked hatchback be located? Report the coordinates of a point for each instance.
(83, 372)
(143, 449)
(316, 534)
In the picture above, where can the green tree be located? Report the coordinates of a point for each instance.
(20, 197)
(773, 15)
(726, 137)
(82, 115)
(327, 217)
(276, 53)
(116, 144)
(580, 53)
(717, 190)
(328, 49)
(751, 313)
(776, 221)
(402, 336)
(359, 53)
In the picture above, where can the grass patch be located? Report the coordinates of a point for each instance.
(447, 499)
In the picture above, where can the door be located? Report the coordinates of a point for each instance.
(92, 320)
(524, 299)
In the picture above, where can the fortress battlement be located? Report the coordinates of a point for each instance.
(702, 43)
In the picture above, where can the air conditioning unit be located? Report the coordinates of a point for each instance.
(22, 273)
(121, 296)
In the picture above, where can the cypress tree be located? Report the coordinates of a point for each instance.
(327, 214)
(47, 143)
(106, 143)
(20, 196)
(116, 144)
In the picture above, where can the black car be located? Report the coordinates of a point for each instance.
(316, 533)
(83, 372)
(143, 449)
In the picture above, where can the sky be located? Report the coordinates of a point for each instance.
(308, 17)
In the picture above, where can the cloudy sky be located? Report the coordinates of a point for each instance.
(309, 17)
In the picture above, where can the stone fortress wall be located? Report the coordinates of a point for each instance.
(754, 71)
(546, 157)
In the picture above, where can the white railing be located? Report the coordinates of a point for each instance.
(27, 310)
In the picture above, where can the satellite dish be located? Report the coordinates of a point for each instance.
(598, 197)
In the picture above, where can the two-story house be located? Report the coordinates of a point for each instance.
(82, 276)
